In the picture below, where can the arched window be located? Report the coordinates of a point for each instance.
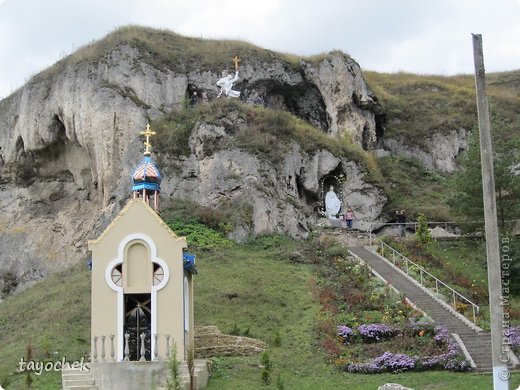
(117, 275)
(158, 274)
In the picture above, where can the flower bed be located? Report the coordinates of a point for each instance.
(449, 358)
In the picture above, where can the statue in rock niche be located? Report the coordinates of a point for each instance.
(332, 204)
(227, 80)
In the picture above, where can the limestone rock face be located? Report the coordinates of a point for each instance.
(69, 142)
(438, 152)
(349, 103)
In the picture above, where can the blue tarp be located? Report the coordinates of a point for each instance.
(189, 262)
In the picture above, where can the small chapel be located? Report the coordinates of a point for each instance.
(142, 290)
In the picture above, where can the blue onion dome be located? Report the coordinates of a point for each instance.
(146, 176)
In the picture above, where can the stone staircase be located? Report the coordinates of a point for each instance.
(76, 379)
(476, 341)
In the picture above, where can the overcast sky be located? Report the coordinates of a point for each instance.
(419, 36)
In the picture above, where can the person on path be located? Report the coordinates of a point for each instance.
(401, 220)
(349, 217)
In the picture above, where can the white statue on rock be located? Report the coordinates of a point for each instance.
(227, 80)
(332, 204)
(226, 85)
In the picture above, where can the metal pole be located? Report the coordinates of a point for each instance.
(500, 372)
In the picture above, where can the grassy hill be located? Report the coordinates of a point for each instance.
(165, 49)
(415, 106)
(270, 282)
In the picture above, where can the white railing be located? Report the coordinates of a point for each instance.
(424, 275)
(103, 347)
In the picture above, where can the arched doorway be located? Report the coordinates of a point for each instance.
(336, 180)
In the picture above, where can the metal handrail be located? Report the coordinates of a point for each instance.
(430, 223)
(413, 224)
(423, 271)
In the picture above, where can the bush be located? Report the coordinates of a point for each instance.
(375, 332)
(423, 234)
(199, 235)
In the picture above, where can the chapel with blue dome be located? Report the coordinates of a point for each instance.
(142, 293)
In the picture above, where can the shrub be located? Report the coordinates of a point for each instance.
(173, 382)
(266, 371)
(345, 332)
(199, 235)
(423, 233)
(387, 362)
(375, 332)
(513, 334)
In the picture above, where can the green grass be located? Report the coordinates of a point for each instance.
(459, 264)
(411, 187)
(274, 301)
(465, 258)
(53, 317)
(418, 105)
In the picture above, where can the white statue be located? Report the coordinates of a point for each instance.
(226, 83)
(332, 204)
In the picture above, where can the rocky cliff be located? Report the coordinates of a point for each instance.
(69, 141)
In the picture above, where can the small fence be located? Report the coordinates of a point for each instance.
(103, 347)
(427, 280)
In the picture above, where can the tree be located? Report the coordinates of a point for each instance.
(466, 199)
(423, 234)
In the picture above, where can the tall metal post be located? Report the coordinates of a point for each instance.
(500, 372)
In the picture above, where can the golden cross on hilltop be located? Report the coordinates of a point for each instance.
(148, 133)
(236, 60)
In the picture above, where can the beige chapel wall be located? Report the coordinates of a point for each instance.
(170, 320)
(103, 302)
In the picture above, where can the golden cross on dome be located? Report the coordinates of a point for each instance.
(148, 133)
(236, 60)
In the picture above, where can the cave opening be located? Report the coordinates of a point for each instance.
(303, 100)
(49, 161)
(336, 178)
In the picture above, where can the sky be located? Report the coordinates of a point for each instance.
(417, 36)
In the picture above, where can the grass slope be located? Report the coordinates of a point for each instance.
(417, 105)
(53, 317)
(166, 50)
(273, 301)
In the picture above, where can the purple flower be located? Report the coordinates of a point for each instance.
(513, 333)
(387, 362)
(375, 332)
(344, 331)
(442, 335)
(451, 360)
